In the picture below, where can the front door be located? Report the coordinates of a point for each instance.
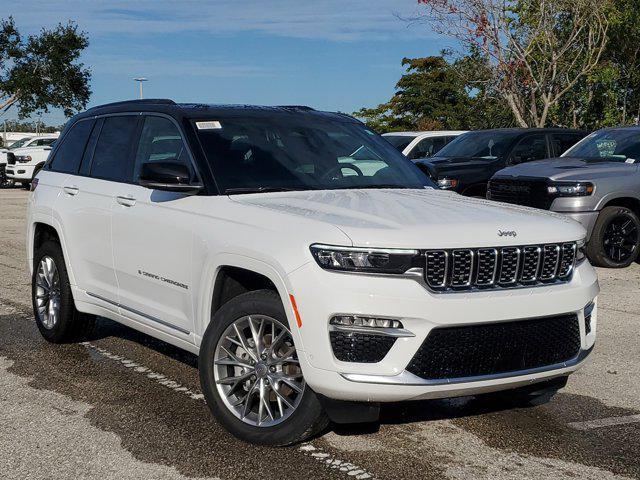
(152, 237)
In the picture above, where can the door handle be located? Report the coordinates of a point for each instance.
(71, 190)
(127, 201)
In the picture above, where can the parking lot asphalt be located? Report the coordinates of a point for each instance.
(126, 406)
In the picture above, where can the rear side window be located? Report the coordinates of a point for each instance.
(564, 141)
(111, 159)
(69, 155)
(533, 147)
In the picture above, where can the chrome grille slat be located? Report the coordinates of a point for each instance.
(509, 265)
(550, 262)
(461, 268)
(531, 256)
(485, 268)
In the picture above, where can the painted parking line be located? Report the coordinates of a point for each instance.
(605, 422)
(309, 449)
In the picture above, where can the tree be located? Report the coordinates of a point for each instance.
(537, 50)
(43, 71)
(436, 94)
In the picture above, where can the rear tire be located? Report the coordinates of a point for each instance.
(615, 240)
(227, 370)
(54, 309)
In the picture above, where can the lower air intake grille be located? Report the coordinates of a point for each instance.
(360, 347)
(487, 349)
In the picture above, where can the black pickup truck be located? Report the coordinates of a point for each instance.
(467, 163)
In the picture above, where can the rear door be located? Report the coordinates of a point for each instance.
(88, 198)
(152, 237)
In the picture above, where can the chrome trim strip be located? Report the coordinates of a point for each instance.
(137, 312)
(409, 379)
(383, 332)
(338, 248)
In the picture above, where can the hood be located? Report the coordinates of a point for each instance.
(420, 218)
(569, 168)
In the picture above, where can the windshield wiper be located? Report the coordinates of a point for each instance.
(241, 190)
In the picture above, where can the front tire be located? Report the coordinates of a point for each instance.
(615, 240)
(251, 376)
(56, 315)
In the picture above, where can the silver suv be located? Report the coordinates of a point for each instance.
(596, 182)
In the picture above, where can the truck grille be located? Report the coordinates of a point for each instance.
(530, 193)
(500, 267)
(495, 348)
(11, 158)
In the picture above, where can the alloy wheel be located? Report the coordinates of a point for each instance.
(257, 371)
(47, 293)
(620, 238)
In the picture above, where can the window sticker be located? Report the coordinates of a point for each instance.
(209, 125)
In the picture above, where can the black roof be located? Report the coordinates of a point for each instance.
(205, 110)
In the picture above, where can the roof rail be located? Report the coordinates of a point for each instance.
(144, 101)
(296, 107)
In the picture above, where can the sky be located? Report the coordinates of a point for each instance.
(337, 55)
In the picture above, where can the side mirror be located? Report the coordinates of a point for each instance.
(169, 177)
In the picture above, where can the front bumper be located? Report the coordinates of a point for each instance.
(20, 172)
(321, 295)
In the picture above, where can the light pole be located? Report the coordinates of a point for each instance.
(140, 80)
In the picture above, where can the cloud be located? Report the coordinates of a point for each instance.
(332, 20)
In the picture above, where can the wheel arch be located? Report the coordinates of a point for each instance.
(41, 230)
(231, 275)
(630, 202)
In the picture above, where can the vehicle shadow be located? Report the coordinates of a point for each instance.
(390, 413)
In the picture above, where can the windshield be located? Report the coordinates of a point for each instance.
(18, 143)
(399, 141)
(608, 146)
(485, 144)
(302, 152)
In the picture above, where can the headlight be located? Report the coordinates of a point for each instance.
(571, 189)
(581, 250)
(365, 260)
(23, 158)
(447, 183)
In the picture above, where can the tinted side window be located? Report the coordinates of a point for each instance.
(68, 156)
(533, 147)
(160, 141)
(112, 153)
(564, 141)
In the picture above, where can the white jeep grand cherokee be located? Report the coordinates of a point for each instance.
(314, 269)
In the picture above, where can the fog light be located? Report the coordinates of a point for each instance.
(370, 322)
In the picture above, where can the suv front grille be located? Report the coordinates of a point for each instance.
(530, 193)
(495, 348)
(505, 267)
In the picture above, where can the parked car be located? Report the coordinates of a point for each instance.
(597, 182)
(467, 163)
(310, 287)
(26, 160)
(416, 145)
(4, 181)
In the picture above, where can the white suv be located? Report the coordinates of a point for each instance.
(417, 145)
(26, 160)
(309, 289)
